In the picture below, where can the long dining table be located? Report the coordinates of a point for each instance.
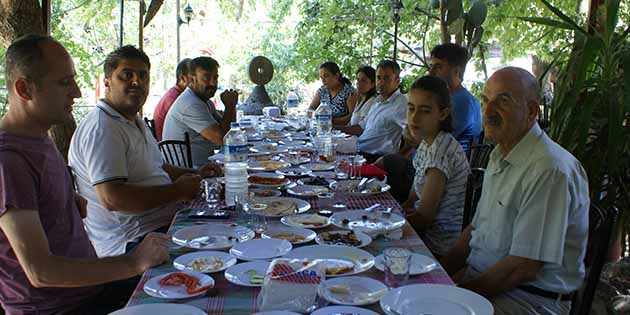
(228, 298)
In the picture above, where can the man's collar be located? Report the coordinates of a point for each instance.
(102, 104)
(391, 97)
(521, 152)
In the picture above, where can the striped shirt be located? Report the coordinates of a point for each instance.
(446, 155)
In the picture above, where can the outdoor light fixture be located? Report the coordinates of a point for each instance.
(396, 7)
(188, 13)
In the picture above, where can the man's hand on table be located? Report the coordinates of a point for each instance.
(211, 169)
(152, 251)
(229, 98)
(188, 186)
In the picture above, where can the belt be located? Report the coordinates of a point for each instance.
(544, 293)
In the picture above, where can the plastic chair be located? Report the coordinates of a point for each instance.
(473, 193)
(151, 124)
(177, 152)
(601, 227)
(478, 155)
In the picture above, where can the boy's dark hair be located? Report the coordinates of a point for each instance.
(126, 52)
(204, 62)
(454, 54)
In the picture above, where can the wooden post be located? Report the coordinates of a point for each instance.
(443, 29)
(122, 24)
(142, 10)
(46, 9)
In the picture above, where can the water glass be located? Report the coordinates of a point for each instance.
(342, 169)
(397, 264)
(357, 164)
(257, 216)
(341, 197)
(325, 200)
(293, 157)
(212, 193)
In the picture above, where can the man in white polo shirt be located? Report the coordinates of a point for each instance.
(381, 131)
(526, 244)
(118, 165)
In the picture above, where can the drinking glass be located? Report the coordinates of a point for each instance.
(257, 216)
(325, 200)
(293, 157)
(341, 197)
(212, 193)
(357, 163)
(342, 169)
(397, 264)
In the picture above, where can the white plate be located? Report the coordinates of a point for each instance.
(238, 275)
(212, 236)
(293, 172)
(355, 290)
(276, 313)
(298, 220)
(153, 288)
(311, 180)
(271, 191)
(275, 134)
(362, 237)
(302, 205)
(268, 175)
(318, 167)
(419, 264)
(435, 299)
(373, 188)
(339, 310)
(276, 165)
(160, 309)
(370, 221)
(307, 190)
(308, 235)
(227, 260)
(261, 248)
(335, 255)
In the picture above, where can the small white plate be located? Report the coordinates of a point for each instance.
(239, 275)
(277, 231)
(361, 237)
(153, 288)
(370, 221)
(373, 188)
(336, 256)
(273, 134)
(419, 264)
(160, 309)
(261, 249)
(339, 310)
(294, 172)
(307, 190)
(434, 299)
(276, 313)
(183, 262)
(352, 290)
(212, 236)
(300, 206)
(318, 167)
(251, 178)
(306, 220)
(265, 192)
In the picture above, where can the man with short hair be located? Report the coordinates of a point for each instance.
(118, 165)
(448, 62)
(193, 113)
(526, 244)
(381, 131)
(159, 114)
(48, 264)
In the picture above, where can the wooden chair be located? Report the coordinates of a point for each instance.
(601, 227)
(151, 124)
(177, 152)
(473, 193)
(478, 155)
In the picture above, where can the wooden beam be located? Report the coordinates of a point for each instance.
(46, 13)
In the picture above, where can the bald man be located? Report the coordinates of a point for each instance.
(525, 247)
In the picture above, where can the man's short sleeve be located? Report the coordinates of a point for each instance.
(197, 116)
(18, 183)
(541, 224)
(105, 154)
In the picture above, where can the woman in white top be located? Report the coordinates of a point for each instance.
(366, 87)
(439, 187)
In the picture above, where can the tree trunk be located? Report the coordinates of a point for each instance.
(446, 38)
(21, 17)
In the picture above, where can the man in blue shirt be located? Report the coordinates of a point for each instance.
(448, 61)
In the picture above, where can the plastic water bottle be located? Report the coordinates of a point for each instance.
(292, 102)
(323, 120)
(235, 150)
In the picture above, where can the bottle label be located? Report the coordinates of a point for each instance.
(323, 117)
(292, 103)
(236, 153)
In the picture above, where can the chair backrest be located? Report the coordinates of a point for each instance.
(72, 178)
(177, 152)
(601, 226)
(151, 124)
(479, 155)
(473, 193)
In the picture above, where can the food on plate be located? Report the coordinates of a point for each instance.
(206, 264)
(265, 193)
(254, 277)
(280, 207)
(340, 238)
(312, 190)
(371, 188)
(273, 165)
(337, 267)
(345, 221)
(265, 180)
(315, 181)
(183, 279)
(320, 167)
(273, 133)
(327, 159)
(310, 219)
(339, 289)
(291, 237)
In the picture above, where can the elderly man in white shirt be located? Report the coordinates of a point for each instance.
(381, 131)
(525, 247)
